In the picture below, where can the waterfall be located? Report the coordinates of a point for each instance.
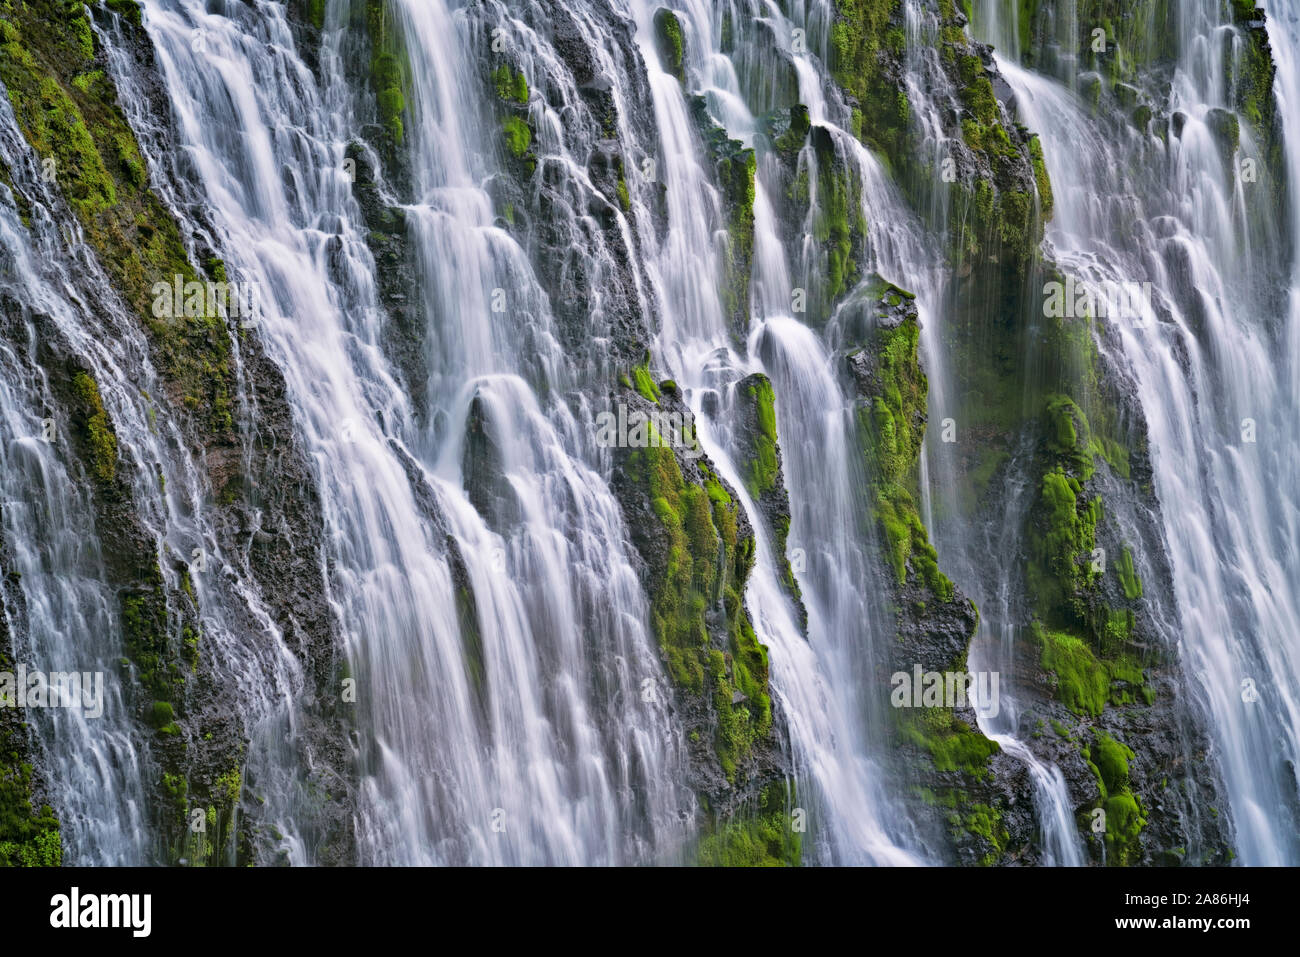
(1212, 360)
(70, 618)
(567, 739)
(52, 557)
(443, 305)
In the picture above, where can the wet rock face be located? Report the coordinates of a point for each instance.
(574, 226)
(696, 549)
(259, 498)
(758, 452)
(406, 337)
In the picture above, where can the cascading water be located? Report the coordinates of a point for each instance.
(47, 521)
(523, 762)
(495, 634)
(1211, 359)
(822, 683)
(71, 618)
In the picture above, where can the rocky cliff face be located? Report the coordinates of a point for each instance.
(1053, 465)
(226, 402)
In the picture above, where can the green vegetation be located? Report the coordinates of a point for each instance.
(512, 96)
(28, 838)
(314, 11)
(94, 430)
(388, 69)
(1254, 90)
(668, 40)
(951, 743)
(1129, 579)
(891, 430)
(705, 562)
(896, 420)
(757, 835)
(644, 382)
(67, 109)
(907, 544)
(762, 468)
(518, 136)
(734, 167)
(794, 137)
(161, 718)
(129, 10)
(838, 224)
(1085, 683)
(862, 39)
(1060, 569)
(511, 85)
(982, 821)
(1109, 760)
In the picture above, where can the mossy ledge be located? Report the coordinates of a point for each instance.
(998, 196)
(764, 832)
(389, 70)
(956, 772)
(891, 418)
(697, 546)
(668, 41)
(67, 108)
(759, 458)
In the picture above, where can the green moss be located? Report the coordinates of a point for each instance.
(67, 109)
(1046, 202)
(894, 426)
(1085, 683)
(518, 136)
(951, 743)
(860, 49)
(757, 835)
(907, 544)
(1064, 535)
(161, 714)
(56, 128)
(891, 430)
(1111, 758)
(229, 784)
(388, 69)
(1026, 12)
(838, 226)
(96, 433)
(796, 134)
(1128, 577)
(735, 166)
(668, 39)
(510, 84)
(644, 382)
(620, 188)
(314, 10)
(704, 562)
(146, 639)
(28, 837)
(984, 822)
(761, 469)
(1253, 86)
(1124, 822)
(129, 10)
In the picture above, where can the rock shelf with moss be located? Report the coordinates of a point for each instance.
(698, 550)
(67, 108)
